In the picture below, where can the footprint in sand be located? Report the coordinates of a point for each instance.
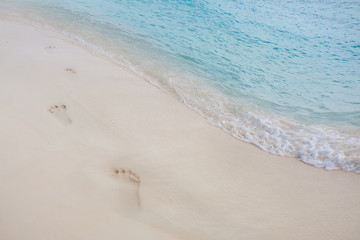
(71, 70)
(49, 48)
(128, 174)
(132, 178)
(60, 112)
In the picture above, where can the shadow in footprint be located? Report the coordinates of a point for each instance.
(49, 48)
(60, 112)
(127, 173)
(70, 70)
(130, 177)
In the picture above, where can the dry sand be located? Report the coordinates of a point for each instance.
(91, 151)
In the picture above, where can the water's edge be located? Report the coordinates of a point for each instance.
(318, 145)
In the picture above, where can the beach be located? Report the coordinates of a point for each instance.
(92, 151)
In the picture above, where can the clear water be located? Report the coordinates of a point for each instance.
(283, 75)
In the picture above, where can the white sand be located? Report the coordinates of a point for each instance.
(58, 177)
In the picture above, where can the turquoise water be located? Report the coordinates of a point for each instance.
(283, 75)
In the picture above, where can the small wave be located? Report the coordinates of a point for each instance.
(322, 146)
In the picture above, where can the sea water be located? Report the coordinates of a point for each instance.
(283, 75)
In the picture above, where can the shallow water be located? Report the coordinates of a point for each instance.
(284, 76)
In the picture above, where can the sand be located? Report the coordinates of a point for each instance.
(91, 151)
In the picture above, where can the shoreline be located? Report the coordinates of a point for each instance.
(327, 146)
(93, 150)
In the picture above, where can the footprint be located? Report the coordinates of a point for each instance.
(132, 178)
(60, 112)
(70, 70)
(49, 48)
(127, 173)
